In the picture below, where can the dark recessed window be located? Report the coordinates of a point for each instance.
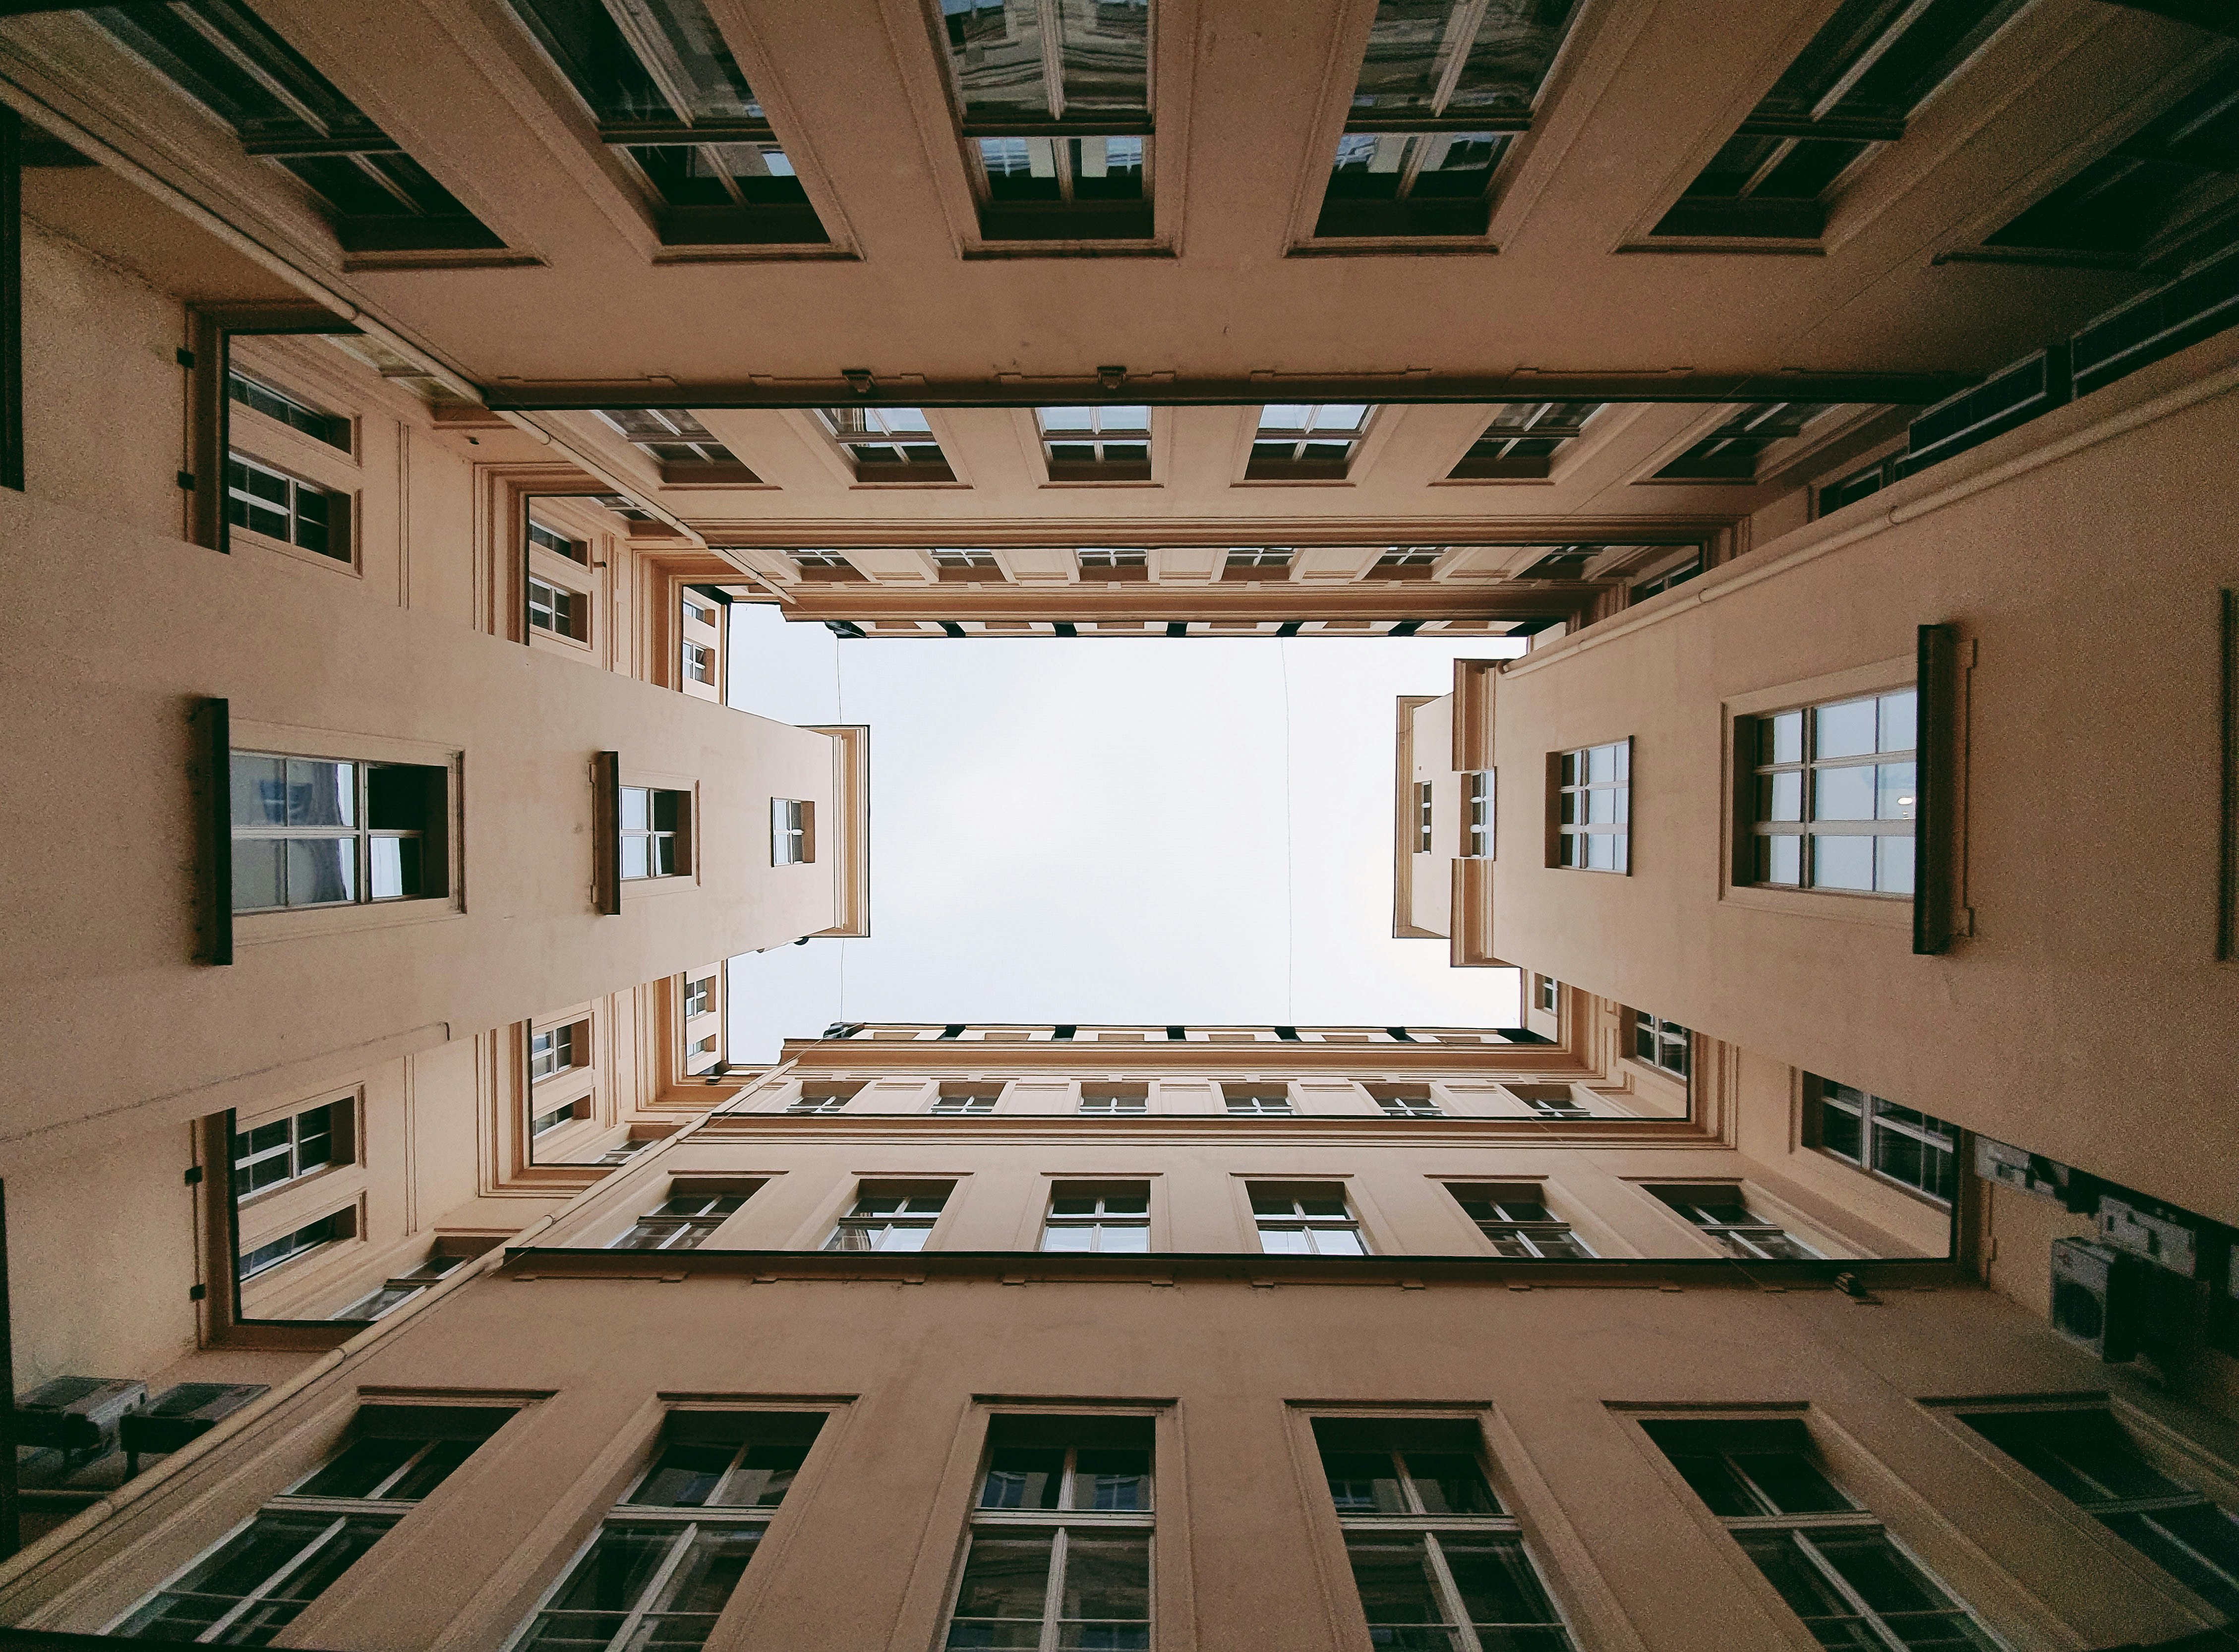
(331, 429)
(684, 448)
(1096, 444)
(1908, 1147)
(1656, 584)
(1314, 442)
(1523, 440)
(1731, 452)
(285, 507)
(888, 444)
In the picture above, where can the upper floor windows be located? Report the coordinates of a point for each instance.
(1106, 564)
(286, 508)
(1476, 814)
(1444, 88)
(1593, 818)
(1546, 993)
(890, 1217)
(1405, 562)
(546, 537)
(1661, 1043)
(559, 610)
(699, 645)
(555, 1049)
(1724, 1213)
(792, 831)
(1313, 442)
(1679, 573)
(1909, 1148)
(311, 832)
(1423, 797)
(965, 1103)
(826, 1099)
(1244, 1100)
(1439, 1563)
(1404, 1101)
(656, 832)
(967, 566)
(1733, 451)
(334, 429)
(1850, 91)
(682, 1222)
(1305, 1219)
(394, 1293)
(331, 1229)
(888, 444)
(1257, 565)
(1114, 1104)
(1098, 1216)
(1517, 1221)
(1523, 440)
(685, 450)
(1835, 794)
(1055, 102)
(1096, 444)
(699, 996)
(285, 1150)
(672, 105)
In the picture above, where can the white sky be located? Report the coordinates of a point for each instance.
(1100, 829)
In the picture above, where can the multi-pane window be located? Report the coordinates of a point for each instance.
(670, 435)
(259, 1579)
(888, 444)
(656, 828)
(789, 835)
(1657, 584)
(682, 1222)
(1260, 564)
(965, 1103)
(1907, 1146)
(699, 996)
(1518, 1223)
(967, 566)
(1445, 89)
(1060, 1540)
(1314, 442)
(1096, 444)
(666, 1558)
(1406, 562)
(2086, 1455)
(558, 610)
(395, 1293)
(1313, 1219)
(327, 1229)
(1098, 1216)
(890, 1217)
(1661, 1043)
(1549, 1101)
(1593, 825)
(284, 507)
(331, 429)
(699, 660)
(560, 544)
(375, 197)
(1250, 1103)
(1523, 440)
(1836, 793)
(1055, 100)
(1546, 991)
(1439, 1563)
(1850, 91)
(672, 104)
(1112, 1104)
(1423, 801)
(312, 831)
(285, 1150)
(1406, 1104)
(1722, 1213)
(824, 565)
(1108, 564)
(555, 1050)
(1834, 1564)
(1731, 452)
(566, 1113)
(822, 1101)
(1476, 814)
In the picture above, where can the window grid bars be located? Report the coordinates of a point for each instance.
(1585, 775)
(1761, 1241)
(1785, 800)
(1056, 1520)
(1477, 815)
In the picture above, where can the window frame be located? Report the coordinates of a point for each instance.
(1299, 466)
(1477, 833)
(1098, 1221)
(902, 1219)
(1868, 1112)
(342, 550)
(718, 1199)
(881, 430)
(1546, 1236)
(1350, 1220)
(792, 831)
(343, 1135)
(1758, 778)
(1524, 447)
(1750, 1241)
(1098, 467)
(1425, 806)
(436, 834)
(1561, 833)
(683, 835)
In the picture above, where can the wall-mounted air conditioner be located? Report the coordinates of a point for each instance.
(180, 1414)
(77, 1415)
(2095, 1298)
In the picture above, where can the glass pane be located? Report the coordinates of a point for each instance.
(1127, 1239)
(321, 794)
(615, 1570)
(321, 869)
(1802, 1585)
(1283, 1241)
(683, 1476)
(1841, 1131)
(256, 875)
(260, 790)
(1115, 1479)
(394, 873)
(1843, 793)
(1601, 765)
(763, 1480)
(1497, 1581)
(1843, 863)
(1338, 1242)
(1082, 1237)
(1846, 730)
(362, 1465)
(636, 858)
(442, 1456)
(1895, 795)
(1713, 1480)
(1893, 863)
(1450, 1483)
(335, 1557)
(710, 1571)
(1363, 1482)
(1021, 1477)
(1394, 1578)
(2199, 1544)
(1784, 738)
(1781, 796)
(1900, 721)
(1884, 1579)
(1784, 861)
(636, 804)
(1793, 1482)
(1108, 1574)
(1005, 1575)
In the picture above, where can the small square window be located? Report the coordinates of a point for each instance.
(656, 832)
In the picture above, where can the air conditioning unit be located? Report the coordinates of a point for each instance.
(2166, 1243)
(2095, 1298)
(180, 1414)
(78, 1414)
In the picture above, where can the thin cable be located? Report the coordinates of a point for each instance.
(1290, 881)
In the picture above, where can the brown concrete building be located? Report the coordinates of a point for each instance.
(1835, 393)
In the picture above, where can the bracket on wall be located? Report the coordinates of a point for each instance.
(1935, 844)
(217, 817)
(606, 812)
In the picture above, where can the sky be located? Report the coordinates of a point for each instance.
(1189, 830)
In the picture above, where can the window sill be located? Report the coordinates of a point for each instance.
(255, 929)
(1881, 911)
(675, 884)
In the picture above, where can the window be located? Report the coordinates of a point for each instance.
(890, 1217)
(258, 1581)
(1092, 1216)
(395, 1293)
(699, 996)
(656, 832)
(1439, 1562)
(555, 1049)
(822, 1101)
(560, 544)
(685, 450)
(1422, 817)
(671, 103)
(1546, 992)
(1405, 562)
(1548, 1101)
(1059, 1550)
(374, 198)
(1731, 452)
(1444, 88)
(965, 1103)
(967, 566)
(1837, 790)
(1254, 1103)
(559, 610)
(666, 1558)
(1313, 1219)
(1257, 565)
(1406, 1102)
(281, 507)
(1516, 1220)
(1850, 91)
(698, 662)
(1112, 1104)
(329, 427)
(1476, 814)
(1661, 1043)
(327, 1229)
(1096, 444)
(1311, 443)
(1832, 1562)
(313, 832)
(1523, 440)
(286, 1149)
(1113, 565)
(1593, 828)
(682, 1222)
(791, 835)
(1056, 116)
(888, 444)
(1724, 1215)
(1909, 1148)
(2086, 1456)
(1656, 584)
(566, 1113)
(825, 565)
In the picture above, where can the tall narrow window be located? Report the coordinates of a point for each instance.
(286, 1149)
(682, 1222)
(1848, 93)
(1305, 1219)
(1439, 1562)
(673, 106)
(1315, 443)
(699, 645)
(312, 831)
(1723, 1214)
(1661, 1043)
(1836, 791)
(1096, 444)
(375, 197)
(667, 1557)
(792, 837)
(1734, 450)
(1593, 828)
(1056, 103)
(284, 507)
(1523, 440)
(260, 1579)
(1546, 991)
(1909, 1148)
(1476, 814)
(888, 444)
(1445, 89)
(890, 1217)
(656, 832)
(1834, 1564)
(1422, 816)
(686, 450)
(331, 429)
(1098, 1216)
(1517, 1221)
(2091, 1458)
